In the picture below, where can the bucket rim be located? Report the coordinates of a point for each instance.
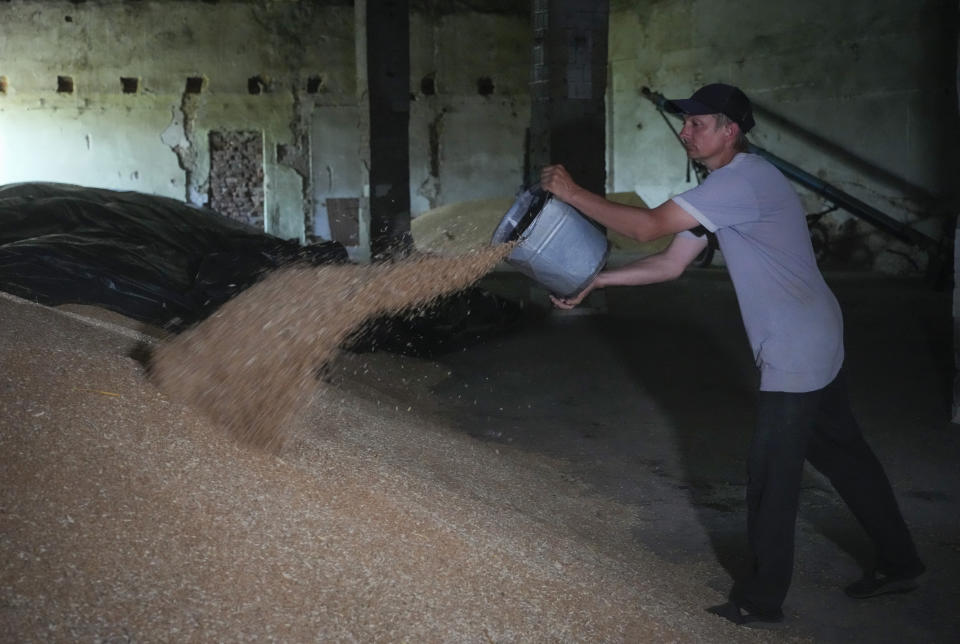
(516, 213)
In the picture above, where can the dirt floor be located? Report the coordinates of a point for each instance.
(577, 478)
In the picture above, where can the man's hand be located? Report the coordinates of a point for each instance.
(556, 179)
(568, 303)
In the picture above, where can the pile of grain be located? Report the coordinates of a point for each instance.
(460, 227)
(252, 366)
(126, 517)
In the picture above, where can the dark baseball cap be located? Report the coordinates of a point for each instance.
(716, 98)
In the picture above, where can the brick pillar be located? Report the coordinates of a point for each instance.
(568, 87)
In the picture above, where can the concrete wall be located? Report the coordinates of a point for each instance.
(467, 137)
(860, 93)
(155, 140)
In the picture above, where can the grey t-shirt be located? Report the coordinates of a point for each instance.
(793, 320)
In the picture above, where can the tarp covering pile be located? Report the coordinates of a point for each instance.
(152, 258)
(170, 264)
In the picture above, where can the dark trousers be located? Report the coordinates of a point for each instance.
(818, 426)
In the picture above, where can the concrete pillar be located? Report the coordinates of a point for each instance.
(388, 82)
(956, 290)
(568, 85)
(956, 324)
(362, 251)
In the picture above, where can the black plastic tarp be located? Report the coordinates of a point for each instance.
(151, 258)
(170, 264)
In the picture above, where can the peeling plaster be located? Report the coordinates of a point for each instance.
(297, 156)
(430, 188)
(436, 132)
(179, 137)
(174, 136)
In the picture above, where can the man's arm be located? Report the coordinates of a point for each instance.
(642, 224)
(666, 265)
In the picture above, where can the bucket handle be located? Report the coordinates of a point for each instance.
(539, 199)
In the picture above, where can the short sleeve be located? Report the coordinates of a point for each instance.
(723, 199)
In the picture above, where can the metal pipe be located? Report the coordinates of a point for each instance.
(835, 195)
(848, 202)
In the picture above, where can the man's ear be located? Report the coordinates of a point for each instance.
(733, 128)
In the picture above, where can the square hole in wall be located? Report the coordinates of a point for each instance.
(484, 86)
(258, 85)
(316, 84)
(195, 84)
(286, 152)
(65, 84)
(428, 85)
(129, 84)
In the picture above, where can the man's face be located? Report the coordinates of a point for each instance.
(703, 140)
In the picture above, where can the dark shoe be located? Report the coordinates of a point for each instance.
(743, 617)
(873, 584)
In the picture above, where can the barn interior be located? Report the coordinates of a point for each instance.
(533, 476)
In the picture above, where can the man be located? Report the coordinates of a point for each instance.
(794, 326)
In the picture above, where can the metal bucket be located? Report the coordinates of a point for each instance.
(558, 247)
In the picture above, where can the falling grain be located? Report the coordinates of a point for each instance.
(251, 367)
